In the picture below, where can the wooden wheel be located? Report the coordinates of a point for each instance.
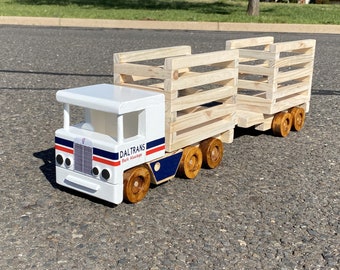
(191, 162)
(136, 184)
(212, 150)
(299, 116)
(282, 123)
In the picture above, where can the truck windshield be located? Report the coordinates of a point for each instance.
(107, 123)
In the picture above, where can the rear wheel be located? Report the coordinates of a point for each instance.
(282, 124)
(299, 116)
(212, 150)
(136, 184)
(191, 162)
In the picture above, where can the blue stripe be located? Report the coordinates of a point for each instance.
(155, 143)
(106, 154)
(168, 166)
(63, 142)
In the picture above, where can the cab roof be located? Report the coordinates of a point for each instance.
(110, 98)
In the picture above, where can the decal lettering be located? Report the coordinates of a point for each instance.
(132, 153)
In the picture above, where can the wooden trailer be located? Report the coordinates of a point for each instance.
(199, 89)
(274, 85)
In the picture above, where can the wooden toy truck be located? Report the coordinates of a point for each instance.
(131, 137)
(274, 85)
(169, 112)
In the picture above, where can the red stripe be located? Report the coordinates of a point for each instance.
(105, 161)
(154, 150)
(64, 149)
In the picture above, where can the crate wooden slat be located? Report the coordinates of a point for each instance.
(202, 97)
(256, 70)
(198, 79)
(250, 55)
(255, 85)
(151, 54)
(199, 89)
(299, 46)
(273, 78)
(142, 71)
(283, 77)
(211, 58)
(249, 42)
(253, 104)
(290, 90)
(203, 115)
(293, 60)
(199, 133)
(126, 63)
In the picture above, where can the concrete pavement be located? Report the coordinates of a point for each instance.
(172, 25)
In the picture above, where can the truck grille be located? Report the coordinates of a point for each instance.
(82, 158)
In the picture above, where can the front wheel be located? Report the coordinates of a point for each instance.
(136, 184)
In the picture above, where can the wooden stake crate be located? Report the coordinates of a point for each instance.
(199, 90)
(273, 77)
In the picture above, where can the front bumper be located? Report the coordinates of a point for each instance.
(88, 185)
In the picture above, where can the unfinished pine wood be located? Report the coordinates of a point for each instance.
(255, 70)
(203, 115)
(247, 119)
(201, 59)
(253, 103)
(198, 79)
(202, 132)
(199, 89)
(284, 104)
(143, 71)
(288, 90)
(266, 124)
(273, 78)
(151, 54)
(294, 60)
(287, 76)
(249, 42)
(254, 85)
(300, 46)
(228, 136)
(203, 97)
(121, 72)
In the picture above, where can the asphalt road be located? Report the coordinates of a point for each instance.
(272, 204)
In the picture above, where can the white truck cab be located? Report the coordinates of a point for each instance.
(122, 128)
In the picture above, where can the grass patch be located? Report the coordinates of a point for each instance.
(172, 10)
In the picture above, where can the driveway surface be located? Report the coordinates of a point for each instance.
(272, 204)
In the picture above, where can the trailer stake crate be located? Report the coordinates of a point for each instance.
(200, 90)
(273, 77)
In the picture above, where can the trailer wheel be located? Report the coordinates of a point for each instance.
(191, 162)
(299, 116)
(282, 124)
(136, 184)
(212, 150)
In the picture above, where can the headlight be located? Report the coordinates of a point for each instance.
(105, 174)
(59, 159)
(95, 171)
(68, 162)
